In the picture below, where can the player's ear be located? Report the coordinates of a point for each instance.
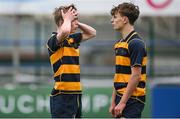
(125, 19)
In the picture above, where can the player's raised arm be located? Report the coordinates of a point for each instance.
(87, 31)
(64, 27)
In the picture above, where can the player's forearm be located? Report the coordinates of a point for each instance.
(133, 82)
(87, 31)
(113, 96)
(64, 30)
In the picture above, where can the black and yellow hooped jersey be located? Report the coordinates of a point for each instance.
(64, 58)
(130, 52)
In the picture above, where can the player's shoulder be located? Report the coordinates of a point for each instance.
(53, 34)
(136, 41)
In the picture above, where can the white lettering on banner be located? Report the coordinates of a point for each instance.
(42, 104)
(28, 104)
(24, 104)
(9, 106)
(86, 103)
(100, 101)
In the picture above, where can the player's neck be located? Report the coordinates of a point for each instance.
(126, 30)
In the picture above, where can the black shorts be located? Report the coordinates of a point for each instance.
(66, 106)
(133, 107)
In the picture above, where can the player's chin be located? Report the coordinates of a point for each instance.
(115, 28)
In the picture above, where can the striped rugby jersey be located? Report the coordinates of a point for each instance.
(130, 52)
(64, 59)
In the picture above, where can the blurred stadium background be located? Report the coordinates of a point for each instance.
(26, 75)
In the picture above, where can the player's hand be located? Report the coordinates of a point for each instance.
(79, 24)
(71, 14)
(119, 108)
(111, 109)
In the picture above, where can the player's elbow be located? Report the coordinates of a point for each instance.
(65, 32)
(93, 34)
(62, 35)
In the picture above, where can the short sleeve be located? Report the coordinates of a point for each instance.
(137, 52)
(52, 43)
(77, 37)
